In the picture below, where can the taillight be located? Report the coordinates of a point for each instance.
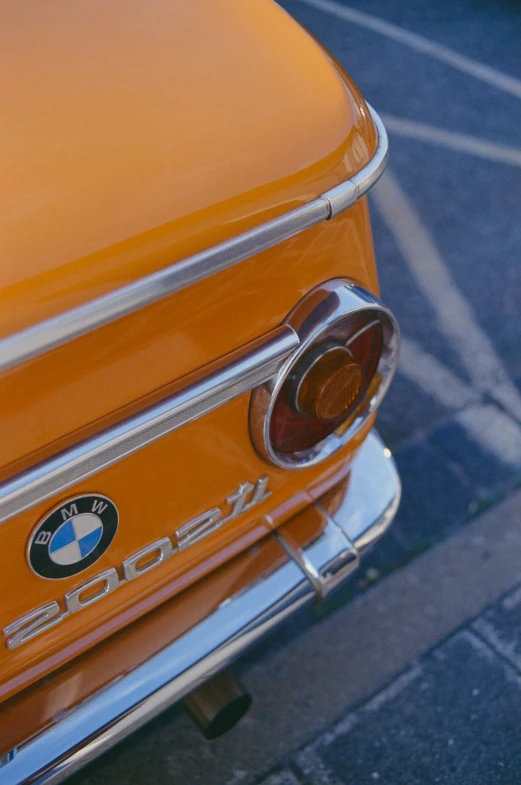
(332, 383)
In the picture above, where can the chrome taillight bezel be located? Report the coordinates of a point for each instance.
(314, 320)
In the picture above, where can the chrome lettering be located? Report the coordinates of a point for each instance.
(238, 499)
(109, 580)
(260, 493)
(32, 624)
(161, 548)
(198, 528)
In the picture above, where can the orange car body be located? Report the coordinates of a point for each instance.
(136, 137)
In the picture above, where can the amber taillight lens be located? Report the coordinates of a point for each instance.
(327, 386)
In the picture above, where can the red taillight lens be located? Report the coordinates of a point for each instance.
(334, 381)
(326, 387)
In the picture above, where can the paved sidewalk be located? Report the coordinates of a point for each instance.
(417, 680)
(454, 715)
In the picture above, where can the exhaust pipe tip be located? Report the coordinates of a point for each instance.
(218, 705)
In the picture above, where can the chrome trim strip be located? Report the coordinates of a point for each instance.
(137, 697)
(51, 333)
(346, 194)
(197, 395)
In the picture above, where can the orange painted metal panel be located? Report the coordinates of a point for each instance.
(138, 134)
(53, 396)
(36, 707)
(156, 490)
(135, 134)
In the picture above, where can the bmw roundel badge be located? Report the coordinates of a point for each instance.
(72, 536)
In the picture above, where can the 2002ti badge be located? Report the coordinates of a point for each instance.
(74, 535)
(182, 315)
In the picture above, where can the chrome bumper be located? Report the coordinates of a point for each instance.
(100, 722)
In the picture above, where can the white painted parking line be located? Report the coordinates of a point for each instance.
(464, 143)
(419, 43)
(433, 377)
(486, 425)
(493, 430)
(454, 313)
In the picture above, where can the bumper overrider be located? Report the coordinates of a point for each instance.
(308, 573)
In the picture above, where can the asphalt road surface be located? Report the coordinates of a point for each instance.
(446, 78)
